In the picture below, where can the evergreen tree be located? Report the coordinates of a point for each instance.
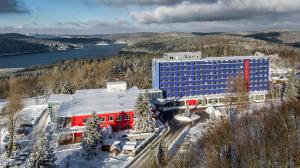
(68, 88)
(92, 137)
(152, 160)
(163, 154)
(143, 116)
(42, 155)
(292, 88)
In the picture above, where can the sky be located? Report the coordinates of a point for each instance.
(126, 16)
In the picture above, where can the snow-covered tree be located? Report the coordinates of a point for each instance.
(68, 88)
(92, 137)
(42, 155)
(187, 112)
(143, 116)
(163, 155)
(292, 88)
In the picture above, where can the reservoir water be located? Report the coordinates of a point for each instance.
(89, 51)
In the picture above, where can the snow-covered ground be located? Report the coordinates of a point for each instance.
(186, 119)
(73, 158)
(32, 113)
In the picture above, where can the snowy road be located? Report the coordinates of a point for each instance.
(38, 130)
(176, 128)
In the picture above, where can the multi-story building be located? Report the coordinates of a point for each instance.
(186, 76)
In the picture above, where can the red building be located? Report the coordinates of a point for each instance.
(114, 106)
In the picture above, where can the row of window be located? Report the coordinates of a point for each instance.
(181, 94)
(211, 78)
(112, 118)
(209, 73)
(212, 62)
(209, 88)
(207, 83)
(211, 68)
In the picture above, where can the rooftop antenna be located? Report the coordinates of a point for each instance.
(73, 100)
(168, 45)
(189, 45)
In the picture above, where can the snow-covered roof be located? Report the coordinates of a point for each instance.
(110, 142)
(129, 145)
(84, 102)
(59, 98)
(117, 82)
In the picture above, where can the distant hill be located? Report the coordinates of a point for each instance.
(291, 38)
(13, 43)
(78, 40)
(12, 36)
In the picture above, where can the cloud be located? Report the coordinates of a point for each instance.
(12, 6)
(221, 10)
(118, 25)
(145, 2)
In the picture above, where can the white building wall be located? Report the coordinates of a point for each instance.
(116, 86)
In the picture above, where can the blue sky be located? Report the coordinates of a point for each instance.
(119, 16)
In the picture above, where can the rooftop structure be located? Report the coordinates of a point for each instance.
(116, 86)
(182, 55)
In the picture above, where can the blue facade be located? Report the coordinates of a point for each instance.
(178, 78)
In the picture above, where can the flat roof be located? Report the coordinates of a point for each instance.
(183, 54)
(117, 82)
(211, 58)
(84, 102)
(59, 98)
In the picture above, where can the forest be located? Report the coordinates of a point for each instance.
(268, 137)
(133, 65)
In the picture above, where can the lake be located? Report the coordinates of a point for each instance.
(89, 51)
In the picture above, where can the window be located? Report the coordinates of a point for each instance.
(85, 120)
(110, 118)
(119, 118)
(127, 117)
(101, 119)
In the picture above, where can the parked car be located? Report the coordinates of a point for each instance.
(24, 125)
(23, 131)
(15, 146)
(123, 138)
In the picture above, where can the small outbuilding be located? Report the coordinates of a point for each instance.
(129, 147)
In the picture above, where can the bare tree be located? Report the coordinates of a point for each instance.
(237, 93)
(152, 159)
(12, 110)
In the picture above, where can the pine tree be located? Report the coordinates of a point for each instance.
(152, 160)
(49, 158)
(143, 117)
(163, 155)
(42, 155)
(292, 88)
(92, 137)
(68, 88)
